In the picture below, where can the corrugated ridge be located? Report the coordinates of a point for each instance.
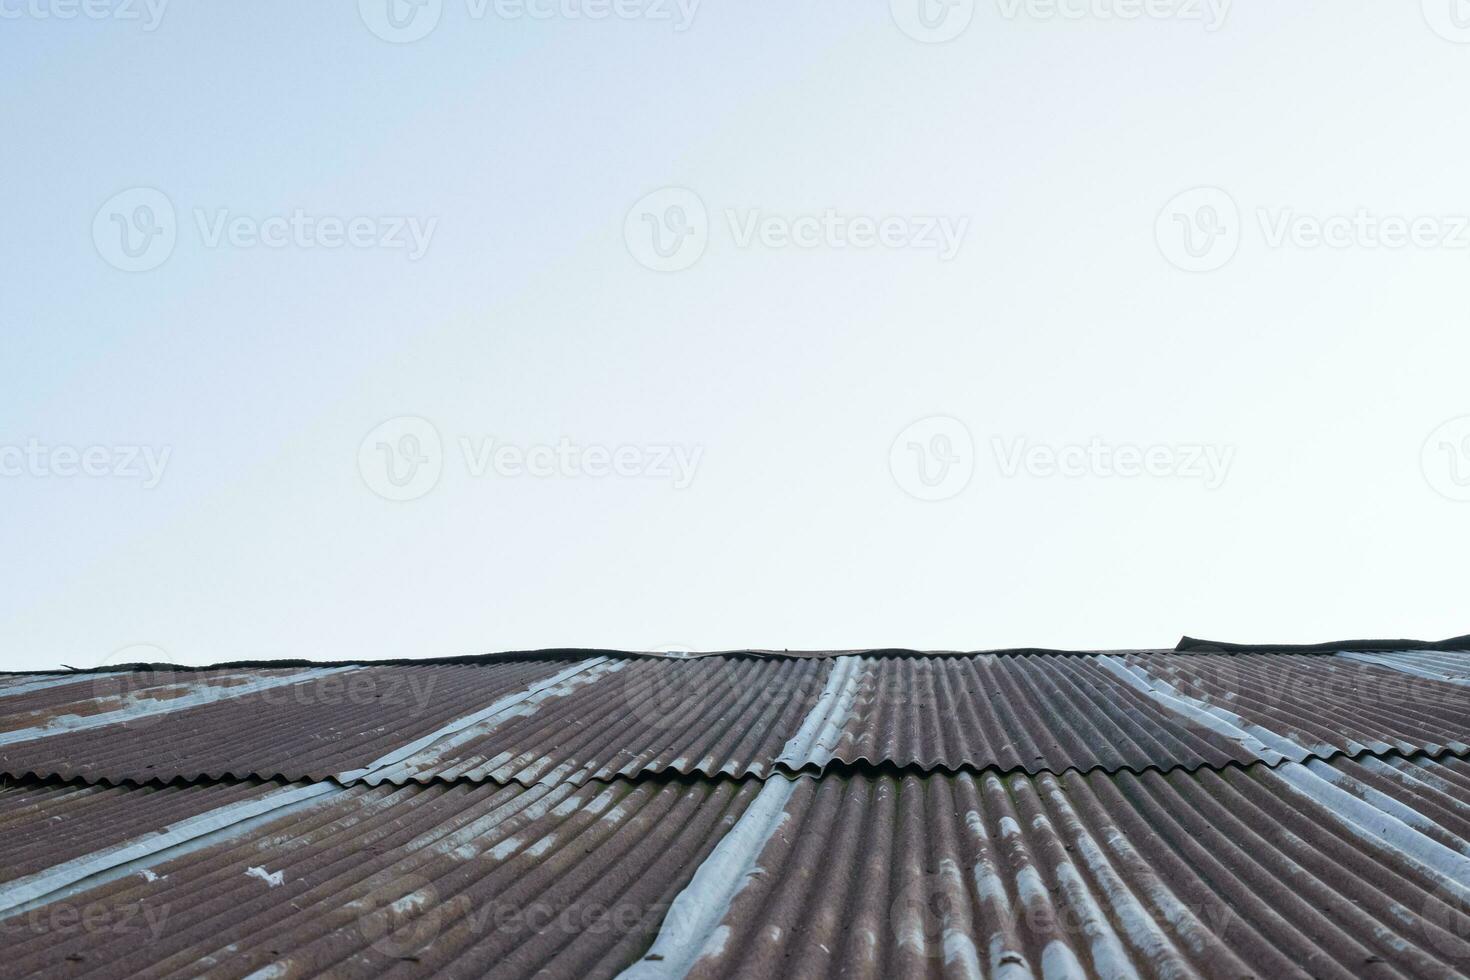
(328, 889)
(1218, 874)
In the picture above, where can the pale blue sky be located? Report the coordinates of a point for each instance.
(528, 320)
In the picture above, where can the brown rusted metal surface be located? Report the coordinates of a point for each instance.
(329, 723)
(466, 880)
(1030, 713)
(707, 716)
(90, 695)
(46, 824)
(742, 716)
(1324, 705)
(1250, 871)
(1226, 874)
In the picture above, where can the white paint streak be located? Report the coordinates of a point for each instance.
(816, 740)
(404, 753)
(1371, 823)
(692, 929)
(1261, 742)
(140, 705)
(1405, 663)
(274, 879)
(40, 885)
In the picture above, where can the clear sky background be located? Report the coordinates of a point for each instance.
(866, 425)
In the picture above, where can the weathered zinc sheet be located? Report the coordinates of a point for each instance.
(1342, 869)
(327, 722)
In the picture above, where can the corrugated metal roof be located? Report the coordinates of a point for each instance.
(336, 720)
(1299, 706)
(502, 722)
(480, 881)
(708, 716)
(1030, 814)
(1237, 873)
(1247, 871)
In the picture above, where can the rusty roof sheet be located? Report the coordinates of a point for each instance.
(1245, 872)
(477, 880)
(529, 721)
(746, 717)
(312, 724)
(1344, 869)
(1293, 706)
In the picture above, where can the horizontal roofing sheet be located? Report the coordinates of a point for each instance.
(474, 880)
(531, 721)
(1329, 869)
(311, 724)
(1294, 706)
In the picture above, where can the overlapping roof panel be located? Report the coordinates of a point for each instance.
(1343, 869)
(473, 880)
(1028, 814)
(1295, 706)
(534, 721)
(330, 721)
(1029, 713)
(706, 716)
(1231, 874)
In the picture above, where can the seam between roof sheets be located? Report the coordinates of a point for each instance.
(809, 751)
(224, 822)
